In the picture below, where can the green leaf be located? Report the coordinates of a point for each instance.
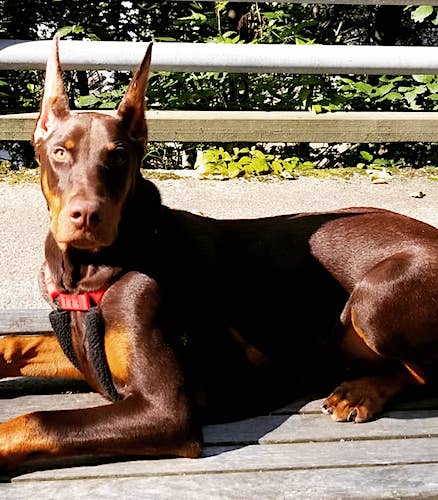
(380, 161)
(392, 96)
(86, 101)
(245, 160)
(432, 87)
(366, 156)
(423, 78)
(421, 13)
(307, 165)
(233, 170)
(366, 88)
(66, 30)
(249, 170)
(259, 165)
(277, 167)
(384, 89)
(211, 155)
(258, 154)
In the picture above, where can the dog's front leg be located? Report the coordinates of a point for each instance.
(155, 415)
(134, 426)
(34, 356)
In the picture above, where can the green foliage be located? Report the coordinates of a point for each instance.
(423, 12)
(377, 163)
(247, 161)
(416, 92)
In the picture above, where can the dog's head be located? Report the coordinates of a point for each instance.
(89, 161)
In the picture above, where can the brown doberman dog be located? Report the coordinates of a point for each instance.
(179, 319)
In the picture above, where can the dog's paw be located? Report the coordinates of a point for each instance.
(356, 401)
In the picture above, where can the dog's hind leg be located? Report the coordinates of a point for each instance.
(391, 323)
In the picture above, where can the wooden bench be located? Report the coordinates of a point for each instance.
(293, 452)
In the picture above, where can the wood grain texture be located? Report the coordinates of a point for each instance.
(290, 456)
(275, 429)
(25, 321)
(405, 481)
(266, 126)
(254, 458)
(312, 427)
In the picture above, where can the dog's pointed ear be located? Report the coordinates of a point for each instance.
(132, 108)
(54, 105)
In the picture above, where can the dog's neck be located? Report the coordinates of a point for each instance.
(77, 271)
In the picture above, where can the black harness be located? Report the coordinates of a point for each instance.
(60, 319)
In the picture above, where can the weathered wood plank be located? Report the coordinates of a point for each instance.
(10, 408)
(405, 481)
(264, 429)
(262, 126)
(302, 428)
(24, 321)
(258, 457)
(313, 405)
(24, 386)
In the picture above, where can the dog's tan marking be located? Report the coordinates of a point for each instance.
(34, 356)
(111, 146)
(414, 372)
(358, 329)
(54, 203)
(69, 144)
(353, 346)
(23, 436)
(118, 352)
(411, 369)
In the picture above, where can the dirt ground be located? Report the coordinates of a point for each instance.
(24, 220)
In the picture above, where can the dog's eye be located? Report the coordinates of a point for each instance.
(60, 154)
(118, 157)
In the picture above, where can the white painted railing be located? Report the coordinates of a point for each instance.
(238, 58)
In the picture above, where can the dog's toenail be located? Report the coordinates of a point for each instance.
(352, 416)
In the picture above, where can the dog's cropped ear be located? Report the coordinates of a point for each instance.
(132, 108)
(54, 105)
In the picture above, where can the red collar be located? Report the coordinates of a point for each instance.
(70, 302)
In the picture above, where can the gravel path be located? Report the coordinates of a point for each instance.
(24, 221)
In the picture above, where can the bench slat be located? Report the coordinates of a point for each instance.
(393, 481)
(264, 429)
(24, 321)
(263, 457)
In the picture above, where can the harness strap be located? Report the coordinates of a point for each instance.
(61, 324)
(60, 319)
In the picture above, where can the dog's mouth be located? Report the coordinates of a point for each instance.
(85, 240)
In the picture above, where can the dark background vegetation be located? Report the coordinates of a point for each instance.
(227, 22)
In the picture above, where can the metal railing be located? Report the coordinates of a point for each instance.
(237, 58)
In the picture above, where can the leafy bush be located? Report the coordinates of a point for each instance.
(247, 161)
